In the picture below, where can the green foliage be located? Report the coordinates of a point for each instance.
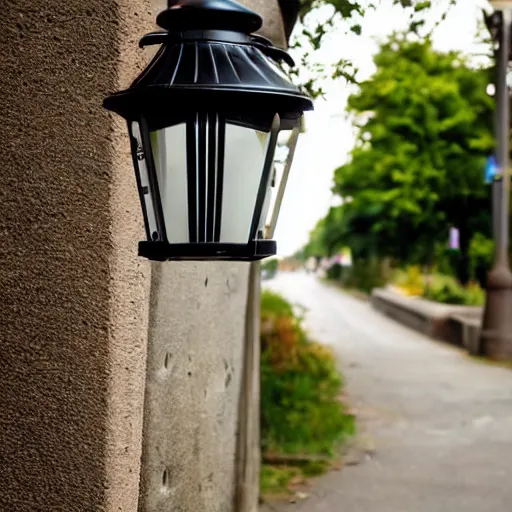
(346, 15)
(324, 240)
(481, 254)
(300, 256)
(334, 272)
(270, 264)
(364, 275)
(438, 287)
(274, 480)
(277, 480)
(316, 246)
(447, 290)
(300, 387)
(418, 167)
(424, 125)
(410, 281)
(274, 306)
(269, 267)
(314, 467)
(445, 259)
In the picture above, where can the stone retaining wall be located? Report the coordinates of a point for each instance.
(457, 325)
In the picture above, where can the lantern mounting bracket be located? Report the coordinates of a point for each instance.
(154, 38)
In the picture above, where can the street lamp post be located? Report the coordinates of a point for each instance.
(496, 337)
(203, 120)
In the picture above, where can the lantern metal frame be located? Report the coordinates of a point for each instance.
(209, 72)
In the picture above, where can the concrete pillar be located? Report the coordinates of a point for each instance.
(196, 345)
(74, 295)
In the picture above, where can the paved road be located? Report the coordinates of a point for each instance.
(441, 423)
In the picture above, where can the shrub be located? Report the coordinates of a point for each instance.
(365, 275)
(481, 254)
(274, 306)
(410, 281)
(475, 295)
(300, 386)
(447, 290)
(438, 287)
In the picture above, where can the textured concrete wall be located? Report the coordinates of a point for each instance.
(193, 385)
(74, 295)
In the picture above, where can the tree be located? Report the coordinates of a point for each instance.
(424, 125)
(345, 15)
(324, 239)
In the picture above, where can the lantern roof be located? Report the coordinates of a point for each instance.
(208, 60)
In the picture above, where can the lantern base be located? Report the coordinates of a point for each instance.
(208, 251)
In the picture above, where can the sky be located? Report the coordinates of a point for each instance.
(329, 134)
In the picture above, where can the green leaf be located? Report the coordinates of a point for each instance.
(421, 6)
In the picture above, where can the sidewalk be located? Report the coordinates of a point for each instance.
(440, 423)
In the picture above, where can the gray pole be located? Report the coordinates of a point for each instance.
(503, 106)
(496, 335)
(496, 182)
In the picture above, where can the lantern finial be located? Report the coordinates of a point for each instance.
(209, 15)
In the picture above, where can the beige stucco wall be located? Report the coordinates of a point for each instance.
(74, 295)
(272, 22)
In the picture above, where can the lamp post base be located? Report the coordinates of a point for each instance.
(496, 336)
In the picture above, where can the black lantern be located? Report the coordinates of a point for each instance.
(203, 119)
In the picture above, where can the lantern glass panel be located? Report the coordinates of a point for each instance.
(169, 146)
(269, 199)
(244, 158)
(282, 164)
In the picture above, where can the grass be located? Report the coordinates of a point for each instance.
(278, 481)
(275, 481)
